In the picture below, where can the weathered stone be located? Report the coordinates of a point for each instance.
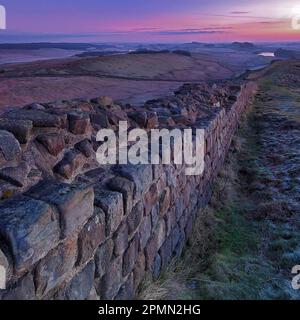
(79, 122)
(176, 236)
(103, 257)
(154, 216)
(112, 280)
(161, 232)
(93, 295)
(74, 202)
(150, 198)
(39, 118)
(130, 256)
(21, 129)
(152, 120)
(186, 195)
(100, 120)
(15, 175)
(126, 187)
(83, 105)
(55, 267)
(103, 101)
(145, 231)
(141, 175)
(82, 284)
(164, 201)
(53, 142)
(23, 289)
(179, 206)
(126, 291)
(9, 146)
(156, 268)
(91, 236)
(30, 228)
(111, 203)
(166, 251)
(85, 147)
(180, 244)
(170, 219)
(121, 240)
(68, 166)
(139, 269)
(150, 251)
(139, 117)
(135, 218)
(180, 119)
(166, 121)
(34, 106)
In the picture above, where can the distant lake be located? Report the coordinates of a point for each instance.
(267, 54)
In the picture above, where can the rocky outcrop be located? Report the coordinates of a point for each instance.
(71, 229)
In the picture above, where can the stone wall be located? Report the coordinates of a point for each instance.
(71, 229)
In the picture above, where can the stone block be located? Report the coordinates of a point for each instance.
(139, 270)
(135, 218)
(81, 285)
(145, 231)
(112, 280)
(103, 257)
(126, 187)
(30, 228)
(71, 162)
(23, 289)
(130, 256)
(74, 202)
(156, 267)
(126, 291)
(53, 142)
(121, 240)
(111, 203)
(150, 198)
(55, 267)
(85, 147)
(91, 236)
(9, 146)
(79, 122)
(21, 129)
(141, 175)
(39, 118)
(15, 175)
(166, 251)
(164, 202)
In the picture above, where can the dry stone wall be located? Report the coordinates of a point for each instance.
(71, 229)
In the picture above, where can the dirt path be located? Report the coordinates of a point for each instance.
(247, 241)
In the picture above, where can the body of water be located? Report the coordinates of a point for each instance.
(267, 54)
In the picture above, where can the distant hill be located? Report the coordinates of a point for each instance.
(147, 51)
(287, 54)
(49, 45)
(243, 46)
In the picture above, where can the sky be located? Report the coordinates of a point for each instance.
(150, 20)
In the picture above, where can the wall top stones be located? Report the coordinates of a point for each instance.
(70, 228)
